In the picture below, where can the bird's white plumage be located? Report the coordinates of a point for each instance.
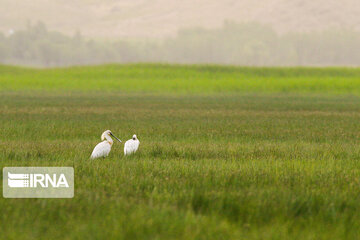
(131, 145)
(103, 149)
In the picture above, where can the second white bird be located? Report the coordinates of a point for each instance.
(131, 145)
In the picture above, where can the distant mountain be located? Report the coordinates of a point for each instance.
(159, 18)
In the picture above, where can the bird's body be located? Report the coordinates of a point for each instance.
(131, 146)
(103, 149)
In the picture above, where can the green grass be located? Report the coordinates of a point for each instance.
(169, 79)
(225, 158)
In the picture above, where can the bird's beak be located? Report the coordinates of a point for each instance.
(115, 137)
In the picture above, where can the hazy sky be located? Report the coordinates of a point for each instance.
(159, 18)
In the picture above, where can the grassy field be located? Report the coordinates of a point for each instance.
(226, 152)
(165, 79)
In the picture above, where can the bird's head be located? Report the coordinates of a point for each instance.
(108, 133)
(134, 137)
(104, 134)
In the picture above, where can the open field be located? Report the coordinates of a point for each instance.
(230, 153)
(182, 79)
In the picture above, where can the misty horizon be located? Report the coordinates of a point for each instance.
(262, 33)
(139, 19)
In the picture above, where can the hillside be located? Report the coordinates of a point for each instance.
(159, 18)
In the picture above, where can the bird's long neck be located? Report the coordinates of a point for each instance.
(109, 139)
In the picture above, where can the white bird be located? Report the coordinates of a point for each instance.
(131, 145)
(103, 149)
